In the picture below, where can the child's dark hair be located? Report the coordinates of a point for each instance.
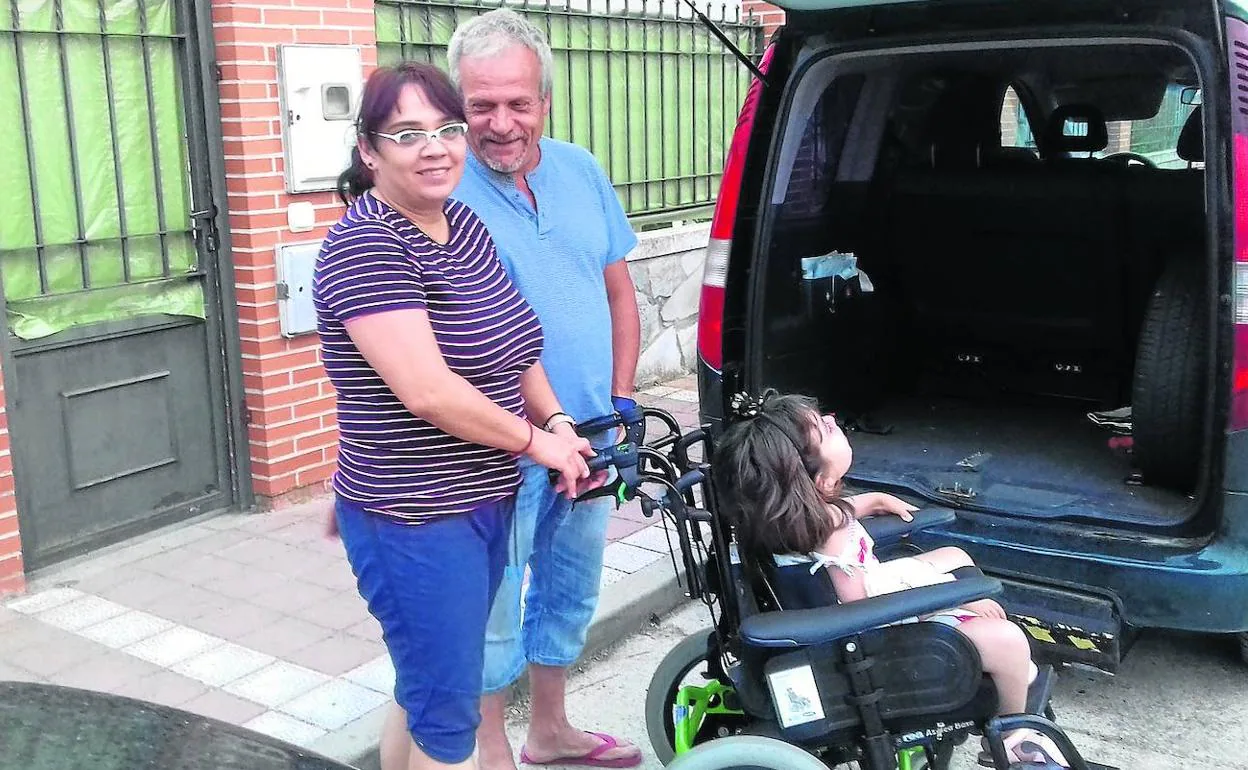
(765, 467)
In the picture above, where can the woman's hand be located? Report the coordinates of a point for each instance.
(565, 452)
(872, 503)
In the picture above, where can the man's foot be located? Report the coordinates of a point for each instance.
(494, 754)
(576, 747)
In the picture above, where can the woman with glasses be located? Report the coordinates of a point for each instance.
(434, 357)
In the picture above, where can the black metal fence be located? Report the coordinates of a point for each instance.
(645, 86)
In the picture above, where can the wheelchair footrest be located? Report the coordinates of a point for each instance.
(1041, 690)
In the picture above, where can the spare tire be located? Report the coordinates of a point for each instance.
(1171, 369)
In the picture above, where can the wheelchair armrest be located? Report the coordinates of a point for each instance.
(803, 628)
(886, 530)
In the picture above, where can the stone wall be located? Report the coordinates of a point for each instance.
(667, 270)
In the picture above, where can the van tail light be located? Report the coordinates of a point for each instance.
(1239, 387)
(1237, 39)
(715, 271)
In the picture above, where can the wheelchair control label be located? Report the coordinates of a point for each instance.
(796, 696)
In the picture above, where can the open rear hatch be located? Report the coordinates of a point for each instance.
(966, 256)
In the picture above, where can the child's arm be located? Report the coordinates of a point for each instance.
(872, 503)
(849, 587)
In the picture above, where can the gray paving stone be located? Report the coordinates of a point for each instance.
(285, 728)
(109, 673)
(192, 568)
(368, 629)
(222, 665)
(284, 637)
(377, 674)
(619, 527)
(246, 582)
(218, 541)
(337, 655)
(163, 687)
(292, 596)
(628, 558)
(334, 704)
(53, 651)
(236, 622)
(139, 589)
(278, 683)
(187, 603)
(35, 602)
(337, 611)
(81, 613)
(173, 646)
(12, 673)
(126, 629)
(217, 704)
(654, 539)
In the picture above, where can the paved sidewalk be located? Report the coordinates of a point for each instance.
(254, 618)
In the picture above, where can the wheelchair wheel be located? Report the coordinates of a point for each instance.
(700, 700)
(747, 752)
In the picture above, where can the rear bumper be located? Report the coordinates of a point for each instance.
(1154, 582)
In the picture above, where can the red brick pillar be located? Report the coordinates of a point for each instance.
(292, 429)
(12, 572)
(771, 16)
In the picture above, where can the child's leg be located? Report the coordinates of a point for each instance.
(1006, 656)
(946, 559)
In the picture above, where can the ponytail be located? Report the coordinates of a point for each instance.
(356, 180)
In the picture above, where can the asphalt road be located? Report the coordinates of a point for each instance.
(1179, 702)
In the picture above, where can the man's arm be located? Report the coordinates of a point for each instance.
(625, 328)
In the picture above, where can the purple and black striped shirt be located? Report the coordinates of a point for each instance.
(389, 460)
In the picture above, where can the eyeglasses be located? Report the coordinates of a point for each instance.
(414, 137)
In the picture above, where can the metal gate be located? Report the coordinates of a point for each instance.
(115, 366)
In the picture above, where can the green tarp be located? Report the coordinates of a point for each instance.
(96, 117)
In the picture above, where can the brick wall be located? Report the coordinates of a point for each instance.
(771, 16)
(290, 404)
(12, 573)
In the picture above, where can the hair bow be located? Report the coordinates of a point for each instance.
(745, 405)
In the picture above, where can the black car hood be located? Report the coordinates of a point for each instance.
(45, 727)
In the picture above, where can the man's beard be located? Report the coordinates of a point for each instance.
(505, 168)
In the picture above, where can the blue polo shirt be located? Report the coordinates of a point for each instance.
(555, 255)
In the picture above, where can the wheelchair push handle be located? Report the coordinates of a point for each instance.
(618, 456)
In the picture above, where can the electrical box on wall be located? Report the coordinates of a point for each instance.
(296, 263)
(319, 87)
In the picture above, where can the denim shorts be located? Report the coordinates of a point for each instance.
(430, 586)
(562, 545)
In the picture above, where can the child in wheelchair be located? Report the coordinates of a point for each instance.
(780, 471)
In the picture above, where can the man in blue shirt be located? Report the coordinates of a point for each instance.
(562, 235)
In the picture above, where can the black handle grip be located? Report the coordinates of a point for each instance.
(619, 456)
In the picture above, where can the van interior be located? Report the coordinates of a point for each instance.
(991, 262)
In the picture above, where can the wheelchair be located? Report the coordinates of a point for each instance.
(787, 679)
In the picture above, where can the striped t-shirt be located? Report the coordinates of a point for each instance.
(390, 461)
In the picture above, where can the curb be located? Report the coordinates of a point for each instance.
(623, 608)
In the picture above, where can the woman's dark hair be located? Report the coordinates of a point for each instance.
(765, 468)
(381, 97)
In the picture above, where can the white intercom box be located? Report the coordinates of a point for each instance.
(319, 88)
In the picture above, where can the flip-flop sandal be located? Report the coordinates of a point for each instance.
(591, 758)
(1024, 748)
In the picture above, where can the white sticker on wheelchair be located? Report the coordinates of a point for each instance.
(796, 696)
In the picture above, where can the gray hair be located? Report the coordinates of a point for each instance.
(492, 33)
